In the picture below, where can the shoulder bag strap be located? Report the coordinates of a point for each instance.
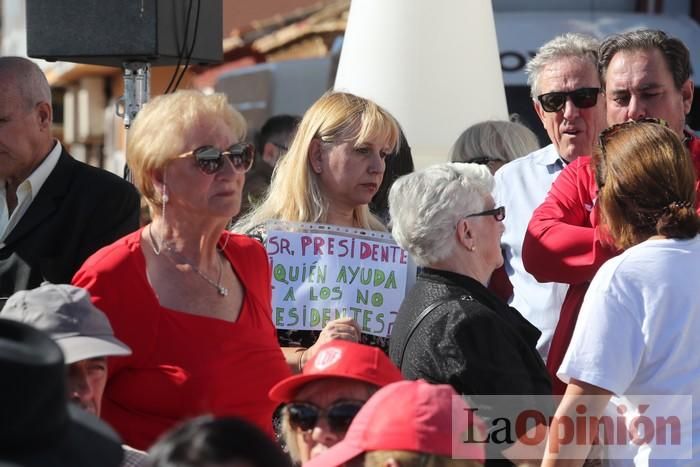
(418, 319)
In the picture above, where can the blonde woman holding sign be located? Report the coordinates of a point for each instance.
(334, 167)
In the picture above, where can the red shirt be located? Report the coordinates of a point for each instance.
(184, 365)
(564, 243)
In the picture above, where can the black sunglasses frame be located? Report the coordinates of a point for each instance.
(210, 159)
(485, 160)
(337, 422)
(498, 213)
(583, 98)
(609, 132)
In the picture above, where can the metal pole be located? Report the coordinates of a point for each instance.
(136, 90)
(137, 77)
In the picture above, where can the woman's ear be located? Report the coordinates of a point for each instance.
(465, 236)
(315, 156)
(157, 180)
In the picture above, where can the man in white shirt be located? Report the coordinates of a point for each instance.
(565, 90)
(54, 210)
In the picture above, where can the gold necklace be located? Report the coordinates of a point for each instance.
(223, 291)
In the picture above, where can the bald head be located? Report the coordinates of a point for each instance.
(26, 114)
(26, 79)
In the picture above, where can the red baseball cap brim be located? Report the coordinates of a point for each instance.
(340, 359)
(286, 390)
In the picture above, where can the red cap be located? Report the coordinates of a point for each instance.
(340, 359)
(408, 416)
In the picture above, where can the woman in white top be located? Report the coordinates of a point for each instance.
(637, 330)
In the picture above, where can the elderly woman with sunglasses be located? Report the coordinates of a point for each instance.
(321, 402)
(450, 328)
(333, 169)
(191, 299)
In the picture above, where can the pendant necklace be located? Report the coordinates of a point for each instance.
(223, 291)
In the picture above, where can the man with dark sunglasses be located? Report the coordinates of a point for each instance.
(645, 73)
(566, 94)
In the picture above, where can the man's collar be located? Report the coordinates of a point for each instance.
(549, 156)
(37, 178)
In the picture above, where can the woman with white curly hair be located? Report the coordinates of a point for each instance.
(450, 328)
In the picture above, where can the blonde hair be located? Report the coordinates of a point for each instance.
(501, 140)
(289, 436)
(295, 193)
(415, 459)
(161, 130)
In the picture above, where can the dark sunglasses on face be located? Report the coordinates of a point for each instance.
(339, 415)
(582, 98)
(498, 213)
(210, 159)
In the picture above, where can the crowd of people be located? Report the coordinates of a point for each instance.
(549, 279)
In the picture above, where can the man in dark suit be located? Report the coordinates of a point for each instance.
(54, 211)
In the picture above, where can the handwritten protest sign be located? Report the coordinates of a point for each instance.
(323, 272)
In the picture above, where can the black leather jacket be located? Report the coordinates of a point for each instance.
(473, 341)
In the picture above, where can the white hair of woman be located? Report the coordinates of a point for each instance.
(425, 207)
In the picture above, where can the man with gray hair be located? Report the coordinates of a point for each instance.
(84, 335)
(565, 90)
(54, 210)
(645, 74)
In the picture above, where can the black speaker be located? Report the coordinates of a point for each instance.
(110, 32)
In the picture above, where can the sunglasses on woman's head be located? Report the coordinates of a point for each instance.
(210, 159)
(304, 416)
(606, 134)
(604, 138)
(583, 98)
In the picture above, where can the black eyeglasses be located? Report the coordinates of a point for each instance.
(484, 160)
(582, 98)
(210, 159)
(498, 213)
(304, 416)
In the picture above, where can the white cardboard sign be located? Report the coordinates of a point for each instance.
(323, 272)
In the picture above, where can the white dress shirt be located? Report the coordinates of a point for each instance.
(26, 192)
(521, 186)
